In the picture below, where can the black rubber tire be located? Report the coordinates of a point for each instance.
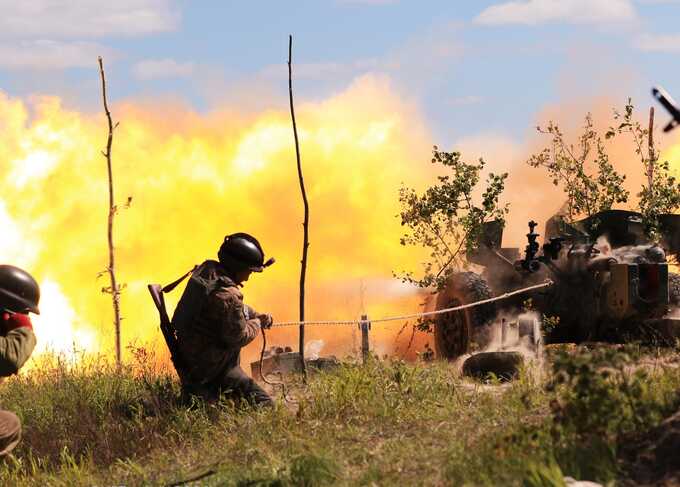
(453, 331)
(504, 365)
(674, 289)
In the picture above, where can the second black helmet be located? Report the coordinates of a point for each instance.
(19, 291)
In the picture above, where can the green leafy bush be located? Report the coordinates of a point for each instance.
(447, 219)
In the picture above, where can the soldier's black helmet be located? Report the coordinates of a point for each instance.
(241, 251)
(19, 291)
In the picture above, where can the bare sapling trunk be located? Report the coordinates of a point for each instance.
(305, 224)
(115, 288)
(652, 153)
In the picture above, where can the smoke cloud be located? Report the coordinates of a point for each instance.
(193, 178)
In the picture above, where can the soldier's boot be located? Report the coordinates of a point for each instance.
(236, 383)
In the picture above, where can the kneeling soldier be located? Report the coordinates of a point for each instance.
(213, 324)
(19, 295)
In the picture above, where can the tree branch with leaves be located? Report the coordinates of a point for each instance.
(447, 219)
(588, 178)
(661, 194)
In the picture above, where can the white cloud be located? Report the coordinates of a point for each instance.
(85, 18)
(416, 62)
(659, 43)
(532, 12)
(161, 68)
(48, 55)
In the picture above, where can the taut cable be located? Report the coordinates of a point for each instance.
(507, 295)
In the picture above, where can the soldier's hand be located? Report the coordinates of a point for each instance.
(266, 321)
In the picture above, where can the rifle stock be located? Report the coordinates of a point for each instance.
(156, 291)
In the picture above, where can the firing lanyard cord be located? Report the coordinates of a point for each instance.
(507, 295)
(281, 384)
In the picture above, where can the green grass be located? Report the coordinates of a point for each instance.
(386, 423)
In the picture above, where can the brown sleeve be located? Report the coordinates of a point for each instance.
(252, 312)
(15, 349)
(235, 329)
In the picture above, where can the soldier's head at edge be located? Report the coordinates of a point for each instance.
(19, 291)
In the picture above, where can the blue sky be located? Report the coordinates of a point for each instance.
(471, 66)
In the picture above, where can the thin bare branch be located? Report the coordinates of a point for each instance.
(652, 152)
(115, 288)
(305, 224)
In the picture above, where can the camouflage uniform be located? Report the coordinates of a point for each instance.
(16, 347)
(210, 342)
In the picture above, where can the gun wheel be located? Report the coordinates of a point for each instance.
(453, 331)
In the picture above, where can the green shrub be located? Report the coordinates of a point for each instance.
(601, 396)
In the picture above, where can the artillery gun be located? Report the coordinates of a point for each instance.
(610, 282)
